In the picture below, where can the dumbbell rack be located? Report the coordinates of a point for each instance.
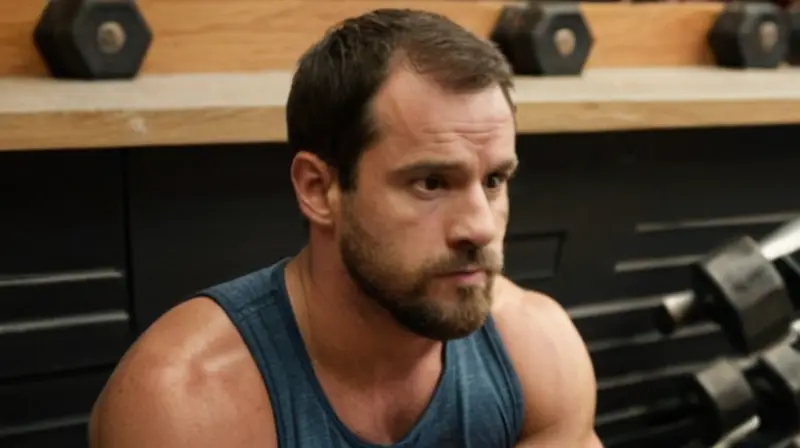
(750, 289)
(650, 67)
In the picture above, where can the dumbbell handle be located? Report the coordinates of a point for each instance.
(783, 241)
(678, 308)
(682, 308)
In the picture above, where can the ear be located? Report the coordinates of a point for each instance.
(313, 182)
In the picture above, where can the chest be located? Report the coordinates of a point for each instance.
(463, 411)
(381, 415)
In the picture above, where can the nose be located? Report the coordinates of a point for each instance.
(473, 221)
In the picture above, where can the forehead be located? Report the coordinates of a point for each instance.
(416, 117)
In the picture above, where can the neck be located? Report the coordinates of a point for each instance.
(347, 333)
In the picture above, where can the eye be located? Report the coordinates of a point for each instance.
(430, 183)
(495, 180)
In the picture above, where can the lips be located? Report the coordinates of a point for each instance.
(465, 271)
(467, 275)
(471, 269)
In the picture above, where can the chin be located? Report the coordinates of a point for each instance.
(445, 316)
(460, 328)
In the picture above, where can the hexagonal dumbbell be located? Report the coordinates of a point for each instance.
(750, 34)
(541, 38)
(738, 287)
(721, 400)
(92, 39)
(794, 34)
(775, 378)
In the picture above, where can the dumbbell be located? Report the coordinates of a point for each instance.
(794, 34)
(544, 38)
(92, 39)
(750, 34)
(737, 286)
(721, 401)
(774, 377)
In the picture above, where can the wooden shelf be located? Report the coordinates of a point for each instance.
(215, 36)
(162, 110)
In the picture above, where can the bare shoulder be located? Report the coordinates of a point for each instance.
(188, 381)
(551, 361)
(529, 318)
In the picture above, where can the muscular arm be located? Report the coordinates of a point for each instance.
(150, 407)
(179, 387)
(555, 373)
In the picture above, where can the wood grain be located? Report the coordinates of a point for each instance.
(255, 35)
(165, 110)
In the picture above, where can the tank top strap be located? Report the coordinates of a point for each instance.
(258, 306)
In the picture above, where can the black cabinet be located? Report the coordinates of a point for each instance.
(64, 298)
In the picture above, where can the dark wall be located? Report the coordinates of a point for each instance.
(95, 245)
(64, 297)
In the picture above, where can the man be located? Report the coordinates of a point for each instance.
(393, 326)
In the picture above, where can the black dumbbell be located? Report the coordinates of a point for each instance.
(738, 287)
(544, 38)
(92, 39)
(793, 56)
(750, 34)
(721, 400)
(774, 377)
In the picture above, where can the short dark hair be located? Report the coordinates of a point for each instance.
(328, 109)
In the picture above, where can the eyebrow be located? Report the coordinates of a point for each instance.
(428, 166)
(508, 166)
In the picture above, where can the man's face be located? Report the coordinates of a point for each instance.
(422, 233)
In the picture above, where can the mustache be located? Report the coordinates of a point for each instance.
(476, 258)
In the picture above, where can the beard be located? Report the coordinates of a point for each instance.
(377, 271)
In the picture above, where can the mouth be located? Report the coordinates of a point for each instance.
(468, 275)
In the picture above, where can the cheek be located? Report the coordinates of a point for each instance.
(412, 246)
(501, 212)
(397, 240)
(407, 218)
(402, 209)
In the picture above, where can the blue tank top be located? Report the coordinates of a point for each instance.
(477, 402)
